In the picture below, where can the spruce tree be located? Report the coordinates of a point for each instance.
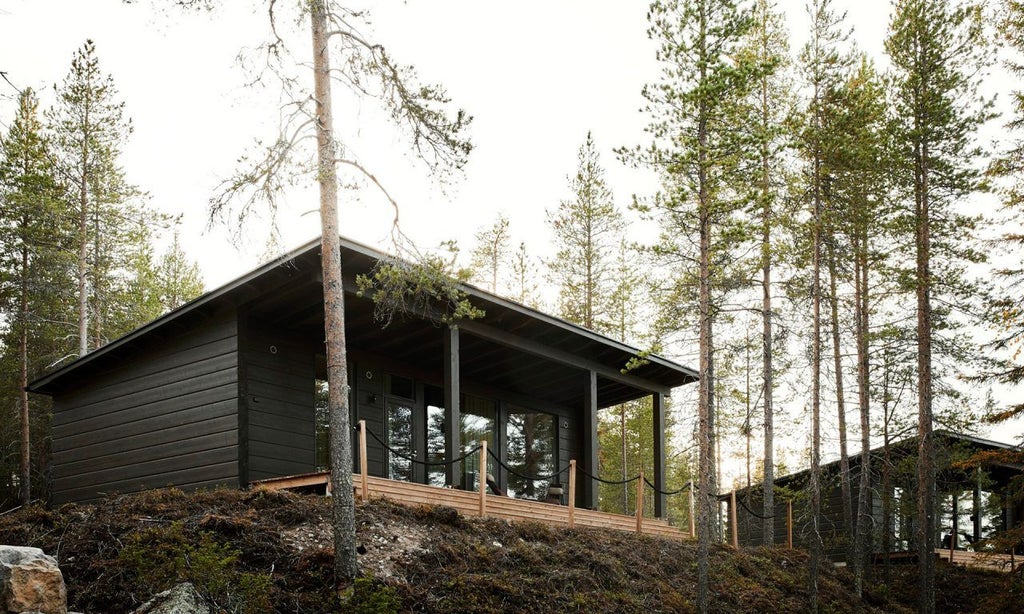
(31, 264)
(586, 229)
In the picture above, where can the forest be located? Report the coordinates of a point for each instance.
(838, 246)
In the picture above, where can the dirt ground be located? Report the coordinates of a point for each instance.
(253, 551)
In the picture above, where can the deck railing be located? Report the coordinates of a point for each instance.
(484, 504)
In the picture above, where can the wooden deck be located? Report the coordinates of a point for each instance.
(981, 560)
(468, 503)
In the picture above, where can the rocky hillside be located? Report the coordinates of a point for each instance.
(266, 551)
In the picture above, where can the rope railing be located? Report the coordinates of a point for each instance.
(667, 493)
(611, 482)
(572, 468)
(441, 463)
(536, 478)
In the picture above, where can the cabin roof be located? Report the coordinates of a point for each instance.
(512, 347)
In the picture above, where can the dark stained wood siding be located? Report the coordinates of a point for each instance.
(368, 384)
(165, 416)
(277, 390)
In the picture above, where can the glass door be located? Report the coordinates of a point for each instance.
(399, 418)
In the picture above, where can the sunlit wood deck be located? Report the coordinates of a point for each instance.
(468, 503)
(982, 560)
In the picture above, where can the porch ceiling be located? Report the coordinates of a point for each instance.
(511, 348)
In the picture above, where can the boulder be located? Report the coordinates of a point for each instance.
(182, 599)
(30, 581)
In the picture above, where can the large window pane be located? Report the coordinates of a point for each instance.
(322, 417)
(399, 431)
(531, 451)
(476, 423)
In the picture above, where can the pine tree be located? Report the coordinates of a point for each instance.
(30, 265)
(491, 253)
(89, 128)
(586, 230)
(769, 106)
(523, 281)
(437, 138)
(936, 50)
(693, 124)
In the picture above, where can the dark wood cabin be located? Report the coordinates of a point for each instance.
(228, 390)
(972, 503)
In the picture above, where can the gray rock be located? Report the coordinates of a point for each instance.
(182, 599)
(30, 581)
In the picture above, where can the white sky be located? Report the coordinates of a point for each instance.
(536, 76)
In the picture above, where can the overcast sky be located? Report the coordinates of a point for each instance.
(536, 76)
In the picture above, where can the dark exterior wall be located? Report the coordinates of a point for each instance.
(368, 386)
(165, 416)
(276, 388)
(834, 535)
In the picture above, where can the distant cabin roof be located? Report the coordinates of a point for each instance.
(534, 350)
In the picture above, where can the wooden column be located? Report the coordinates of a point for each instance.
(977, 505)
(482, 478)
(733, 520)
(590, 456)
(572, 493)
(789, 524)
(640, 504)
(364, 491)
(452, 436)
(658, 412)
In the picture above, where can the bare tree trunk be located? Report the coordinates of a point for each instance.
(83, 257)
(625, 473)
(815, 476)
(887, 511)
(342, 502)
(766, 350)
(26, 466)
(844, 455)
(925, 445)
(863, 530)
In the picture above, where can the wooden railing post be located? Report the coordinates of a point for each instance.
(789, 524)
(364, 490)
(572, 493)
(640, 504)
(482, 478)
(693, 521)
(732, 520)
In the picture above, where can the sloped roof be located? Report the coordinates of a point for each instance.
(513, 346)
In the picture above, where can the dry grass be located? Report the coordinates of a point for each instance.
(433, 560)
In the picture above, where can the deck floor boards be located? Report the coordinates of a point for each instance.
(467, 503)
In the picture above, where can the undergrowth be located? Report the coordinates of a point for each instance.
(262, 551)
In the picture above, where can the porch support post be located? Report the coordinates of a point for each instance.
(590, 456)
(658, 412)
(976, 504)
(452, 443)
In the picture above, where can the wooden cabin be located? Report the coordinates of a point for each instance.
(229, 389)
(972, 502)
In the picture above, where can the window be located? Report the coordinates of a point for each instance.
(532, 446)
(477, 422)
(322, 426)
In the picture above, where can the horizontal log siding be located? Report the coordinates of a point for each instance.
(278, 386)
(167, 416)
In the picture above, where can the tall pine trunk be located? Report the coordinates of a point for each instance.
(925, 446)
(815, 476)
(26, 460)
(844, 455)
(83, 252)
(342, 502)
(767, 372)
(861, 545)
